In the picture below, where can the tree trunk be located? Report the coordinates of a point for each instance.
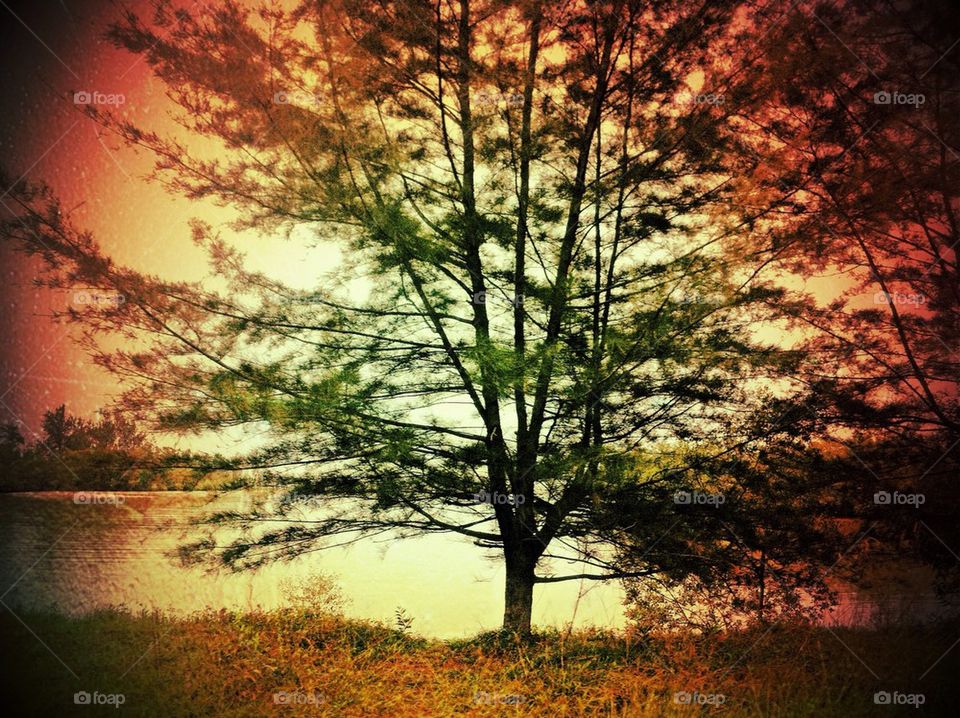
(518, 595)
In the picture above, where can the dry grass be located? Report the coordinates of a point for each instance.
(227, 664)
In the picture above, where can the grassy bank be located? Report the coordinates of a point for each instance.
(226, 664)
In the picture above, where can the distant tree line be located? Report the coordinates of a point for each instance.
(71, 452)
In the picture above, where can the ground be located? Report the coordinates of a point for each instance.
(298, 663)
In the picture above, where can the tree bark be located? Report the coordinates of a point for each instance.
(518, 594)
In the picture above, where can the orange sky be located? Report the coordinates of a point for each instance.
(58, 52)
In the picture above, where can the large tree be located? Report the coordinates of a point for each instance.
(535, 290)
(863, 108)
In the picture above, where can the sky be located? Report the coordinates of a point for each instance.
(53, 51)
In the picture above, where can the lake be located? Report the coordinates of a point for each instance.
(55, 553)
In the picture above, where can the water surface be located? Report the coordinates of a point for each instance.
(55, 553)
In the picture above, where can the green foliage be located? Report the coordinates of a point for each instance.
(558, 297)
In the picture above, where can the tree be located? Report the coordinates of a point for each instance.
(110, 431)
(543, 323)
(114, 432)
(107, 453)
(864, 109)
(10, 435)
(58, 428)
(11, 442)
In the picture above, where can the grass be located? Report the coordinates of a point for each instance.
(218, 663)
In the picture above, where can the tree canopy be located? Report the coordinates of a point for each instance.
(544, 305)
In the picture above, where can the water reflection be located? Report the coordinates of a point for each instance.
(58, 554)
